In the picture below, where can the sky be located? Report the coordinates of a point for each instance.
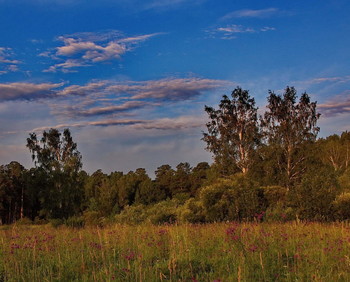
(130, 78)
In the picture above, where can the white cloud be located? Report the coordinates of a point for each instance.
(267, 28)
(85, 49)
(67, 66)
(235, 29)
(6, 62)
(249, 13)
(230, 31)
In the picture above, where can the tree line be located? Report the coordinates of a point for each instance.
(266, 167)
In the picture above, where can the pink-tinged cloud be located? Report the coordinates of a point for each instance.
(119, 98)
(179, 123)
(249, 13)
(67, 66)
(27, 91)
(340, 79)
(84, 49)
(170, 89)
(107, 110)
(340, 104)
(7, 63)
(78, 90)
(5, 55)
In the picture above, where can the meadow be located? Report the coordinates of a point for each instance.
(293, 251)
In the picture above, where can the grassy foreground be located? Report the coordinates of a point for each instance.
(211, 252)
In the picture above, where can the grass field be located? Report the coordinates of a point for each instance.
(211, 252)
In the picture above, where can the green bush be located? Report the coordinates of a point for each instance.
(192, 211)
(164, 212)
(93, 218)
(341, 206)
(56, 222)
(134, 214)
(274, 195)
(75, 222)
(40, 221)
(312, 198)
(24, 221)
(234, 198)
(279, 213)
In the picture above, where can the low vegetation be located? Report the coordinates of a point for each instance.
(232, 251)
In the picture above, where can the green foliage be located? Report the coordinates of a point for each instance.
(233, 131)
(274, 195)
(92, 218)
(235, 198)
(57, 155)
(75, 222)
(24, 221)
(135, 214)
(163, 212)
(335, 151)
(149, 193)
(313, 197)
(344, 180)
(289, 125)
(341, 206)
(192, 211)
(56, 222)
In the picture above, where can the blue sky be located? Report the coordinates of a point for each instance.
(131, 78)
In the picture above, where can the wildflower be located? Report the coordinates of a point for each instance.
(252, 248)
(130, 255)
(96, 245)
(162, 231)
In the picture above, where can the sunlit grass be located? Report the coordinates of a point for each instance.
(211, 252)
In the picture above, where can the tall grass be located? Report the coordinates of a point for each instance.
(211, 252)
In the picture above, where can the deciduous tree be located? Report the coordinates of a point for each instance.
(59, 157)
(289, 125)
(233, 132)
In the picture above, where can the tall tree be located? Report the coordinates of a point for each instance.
(165, 179)
(12, 192)
(288, 126)
(59, 157)
(233, 132)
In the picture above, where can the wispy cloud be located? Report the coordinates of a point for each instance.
(170, 89)
(169, 4)
(319, 80)
(249, 13)
(27, 91)
(178, 123)
(7, 63)
(340, 104)
(100, 98)
(67, 66)
(105, 110)
(231, 31)
(85, 90)
(85, 49)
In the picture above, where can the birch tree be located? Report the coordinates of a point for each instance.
(233, 132)
(289, 125)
